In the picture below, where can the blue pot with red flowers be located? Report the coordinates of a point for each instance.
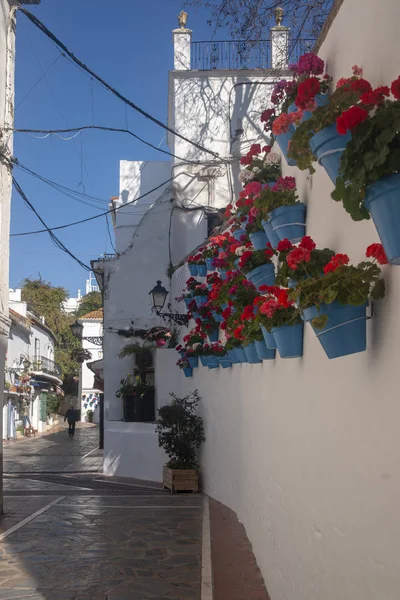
(201, 300)
(289, 340)
(193, 361)
(289, 222)
(382, 201)
(213, 362)
(209, 263)
(204, 360)
(237, 234)
(241, 354)
(217, 316)
(263, 352)
(223, 273)
(262, 275)
(202, 270)
(233, 356)
(213, 334)
(193, 270)
(268, 338)
(328, 146)
(283, 140)
(225, 361)
(320, 100)
(187, 301)
(196, 315)
(188, 371)
(271, 235)
(259, 239)
(251, 353)
(345, 331)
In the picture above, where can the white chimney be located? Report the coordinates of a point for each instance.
(279, 42)
(182, 38)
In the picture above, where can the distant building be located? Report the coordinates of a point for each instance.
(71, 305)
(90, 381)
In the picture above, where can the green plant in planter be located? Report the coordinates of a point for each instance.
(372, 153)
(251, 259)
(143, 354)
(283, 193)
(290, 270)
(200, 290)
(275, 309)
(132, 386)
(341, 282)
(180, 431)
(89, 416)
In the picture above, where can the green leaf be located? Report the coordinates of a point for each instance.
(378, 291)
(329, 295)
(320, 322)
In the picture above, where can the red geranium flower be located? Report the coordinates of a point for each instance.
(360, 85)
(395, 88)
(267, 114)
(336, 261)
(376, 96)
(349, 119)
(238, 332)
(266, 149)
(254, 149)
(284, 245)
(307, 243)
(307, 91)
(376, 251)
(296, 256)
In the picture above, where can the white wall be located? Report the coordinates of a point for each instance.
(306, 450)
(87, 385)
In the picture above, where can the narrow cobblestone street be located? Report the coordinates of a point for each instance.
(71, 534)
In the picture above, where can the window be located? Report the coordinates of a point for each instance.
(37, 348)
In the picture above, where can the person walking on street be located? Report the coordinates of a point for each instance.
(72, 417)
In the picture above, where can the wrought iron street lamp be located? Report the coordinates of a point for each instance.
(158, 297)
(77, 331)
(26, 364)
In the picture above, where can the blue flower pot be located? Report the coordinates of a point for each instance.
(210, 264)
(201, 270)
(225, 361)
(289, 222)
(241, 354)
(328, 146)
(251, 353)
(259, 239)
(201, 300)
(213, 362)
(269, 338)
(320, 100)
(236, 263)
(182, 353)
(283, 140)
(217, 316)
(346, 330)
(238, 234)
(272, 237)
(193, 361)
(262, 275)
(196, 315)
(204, 360)
(223, 273)
(264, 353)
(289, 340)
(382, 200)
(233, 357)
(213, 335)
(187, 301)
(193, 270)
(188, 372)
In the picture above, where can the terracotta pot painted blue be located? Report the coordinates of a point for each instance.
(268, 338)
(238, 234)
(233, 357)
(201, 300)
(328, 146)
(193, 270)
(259, 239)
(271, 235)
(225, 361)
(187, 301)
(241, 354)
(188, 372)
(289, 222)
(346, 330)
(217, 316)
(251, 353)
(223, 273)
(320, 100)
(213, 335)
(202, 270)
(382, 200)
(196, 315)
(209, 263)
(193, 361)
(262, 275)
(283, 140)
(213, 362)
(264, 353)
(289, 340)
(204, 360)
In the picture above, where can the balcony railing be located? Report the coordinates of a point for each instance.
(45, 365)
(242, 54)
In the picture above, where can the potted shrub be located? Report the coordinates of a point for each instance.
(192, 266)
(213, 352)
(159, 335)
(89, 416)
(369, 180)
(200, 294)
(257, 266)
(209, 253)
(79, 355)
(265, 168)
(180, 433)
(207, 324)
(335, 301)
(184, 364)
(290, 266)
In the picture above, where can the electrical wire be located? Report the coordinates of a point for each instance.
(53, 237)
(82, 65)
(109, 235)
(44, 73)
(79, 130)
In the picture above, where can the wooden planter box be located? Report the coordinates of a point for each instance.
(181, 480)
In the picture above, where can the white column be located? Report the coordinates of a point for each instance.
(279, 42)
(182, 38)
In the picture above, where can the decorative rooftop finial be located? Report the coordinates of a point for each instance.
(182, 19)
(278, 12)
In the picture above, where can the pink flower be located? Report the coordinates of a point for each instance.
(281, 124)
(357, 71)
(254, 211)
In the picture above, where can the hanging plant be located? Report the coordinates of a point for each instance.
(80, 355)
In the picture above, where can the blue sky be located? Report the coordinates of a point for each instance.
(129, 44)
